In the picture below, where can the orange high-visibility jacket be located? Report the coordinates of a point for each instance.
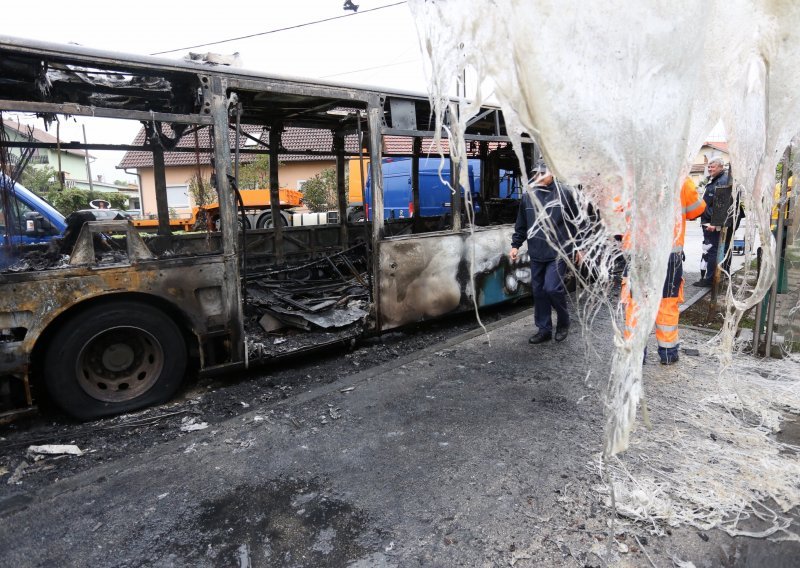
(668, 313)
(693, 206)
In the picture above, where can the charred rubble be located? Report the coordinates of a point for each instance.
(319, 302)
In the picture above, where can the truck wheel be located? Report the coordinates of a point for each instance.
(243, 222)
(265, 221)
(114, 358)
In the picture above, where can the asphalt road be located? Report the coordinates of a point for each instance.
(475, 452)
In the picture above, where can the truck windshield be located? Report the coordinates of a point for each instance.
(23, 201)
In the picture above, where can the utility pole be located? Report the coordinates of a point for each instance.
(86, 156)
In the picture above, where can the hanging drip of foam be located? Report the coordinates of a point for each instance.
(620, 97)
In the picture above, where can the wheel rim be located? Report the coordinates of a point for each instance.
(119, 364)
(265, 221)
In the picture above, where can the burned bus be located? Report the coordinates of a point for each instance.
(108, 317)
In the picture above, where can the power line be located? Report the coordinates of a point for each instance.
(370, 68)
(276, 30)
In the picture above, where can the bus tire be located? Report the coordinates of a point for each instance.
(114, 358)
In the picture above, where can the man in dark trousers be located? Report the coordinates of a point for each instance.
(547, 219)
(717, 177)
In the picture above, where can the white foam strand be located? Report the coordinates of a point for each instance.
(620, 97)
(711, 458)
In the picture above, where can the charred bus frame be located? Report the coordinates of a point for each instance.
(208, 290)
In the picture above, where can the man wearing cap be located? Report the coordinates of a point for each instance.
(546, 218)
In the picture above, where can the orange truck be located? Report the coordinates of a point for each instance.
(257, 212)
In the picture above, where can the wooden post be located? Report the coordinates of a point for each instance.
(773, 293)
(721, 253)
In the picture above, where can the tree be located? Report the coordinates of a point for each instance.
(255, 175)
(40, 180)
(201, 191)
(71, 200)
(319, 192)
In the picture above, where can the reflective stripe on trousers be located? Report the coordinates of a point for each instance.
(668, 309)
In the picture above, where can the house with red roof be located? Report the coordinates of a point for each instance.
(304, 153)
(71, 162)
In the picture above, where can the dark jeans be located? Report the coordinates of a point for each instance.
(547, 283)
(711, 242)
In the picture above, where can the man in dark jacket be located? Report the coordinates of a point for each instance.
(718, 177)
(547, 220)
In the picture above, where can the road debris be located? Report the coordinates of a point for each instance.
(516, 556)
(348, 389)
(56, 450)
(191, 424)
(19, 471)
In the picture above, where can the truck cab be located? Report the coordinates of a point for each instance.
(434, 189)
(25, 218)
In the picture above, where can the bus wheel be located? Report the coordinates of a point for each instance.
(265, 221)
(114, 358)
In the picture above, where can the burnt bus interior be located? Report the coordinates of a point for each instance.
(301, 286)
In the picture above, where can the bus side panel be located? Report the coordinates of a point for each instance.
(426, 276)
(31, 301)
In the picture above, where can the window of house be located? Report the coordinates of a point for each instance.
(178, 195)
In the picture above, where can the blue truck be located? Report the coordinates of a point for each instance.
(25, 219)
(434, 192)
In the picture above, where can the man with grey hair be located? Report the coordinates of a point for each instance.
(717, 177)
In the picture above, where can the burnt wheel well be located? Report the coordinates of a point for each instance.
(178, 316)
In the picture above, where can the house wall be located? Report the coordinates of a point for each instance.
(292, 173)
(289, 175)
(175, 176)
(74, 165)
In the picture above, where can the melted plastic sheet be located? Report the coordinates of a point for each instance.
(620, 96)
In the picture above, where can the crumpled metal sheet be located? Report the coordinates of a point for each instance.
(337, 317)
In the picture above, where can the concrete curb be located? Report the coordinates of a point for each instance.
(696, 297)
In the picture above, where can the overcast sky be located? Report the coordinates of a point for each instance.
(377, 47)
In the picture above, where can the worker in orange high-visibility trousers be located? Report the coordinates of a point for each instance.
(672, 295)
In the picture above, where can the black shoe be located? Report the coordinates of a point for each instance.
(540, 337)
(562, 333)
(702, 284)
(671, 360)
